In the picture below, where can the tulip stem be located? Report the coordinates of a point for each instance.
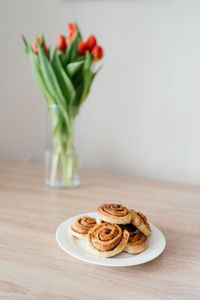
(64, 158)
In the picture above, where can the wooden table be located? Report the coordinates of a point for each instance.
(32, 266)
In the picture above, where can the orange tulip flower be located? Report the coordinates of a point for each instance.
(35, 48)
(72, 32)
(91, 42)
(61, 43)
(82, 47)
(97, 52)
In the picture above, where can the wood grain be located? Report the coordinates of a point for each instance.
(32, 266)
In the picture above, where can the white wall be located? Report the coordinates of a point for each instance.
(142, 116)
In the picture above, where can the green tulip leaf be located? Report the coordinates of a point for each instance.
(49, 76)
(67, 54)
(93, 75)
(63, 79)
(87, 75)
(79, 32)
(37, 74)
(74, 45)
(74, 67)
(52, 82)
(80, 58)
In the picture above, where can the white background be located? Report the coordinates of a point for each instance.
(143, 114)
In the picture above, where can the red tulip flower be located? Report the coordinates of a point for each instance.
(97, 52)
(35, 48)
(71, 27)
(72, 32)
(91, 42)
(82, 47)
(61, 43)
(46, 51)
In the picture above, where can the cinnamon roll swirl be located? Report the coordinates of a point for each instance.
(107, 240)
(80, 227)
(140, 222)
(114, 213)
(137, 241)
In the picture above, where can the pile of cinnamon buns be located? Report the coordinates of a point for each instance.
(117, 229)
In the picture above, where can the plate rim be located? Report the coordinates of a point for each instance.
(108, 263)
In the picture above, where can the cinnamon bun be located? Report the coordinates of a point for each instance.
(80, 227)
(137, 241)
(107, 240)
(140, 222)
(114, 213)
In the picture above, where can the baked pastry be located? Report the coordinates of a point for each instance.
(80, 227)
(129, 227)
(106, 239)
(99, 221)
(114, 213)
(140, 221)
(137, 241)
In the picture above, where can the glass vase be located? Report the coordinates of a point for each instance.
(61, 158)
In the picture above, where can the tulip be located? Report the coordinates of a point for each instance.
(72, 32)
(82, 48)
(61, 43)
(91, 42)
(71, 27)
(97, 52)
(100, 52)
(35, 48)
(46, 51)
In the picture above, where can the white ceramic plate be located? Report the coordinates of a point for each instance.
(80, 249)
